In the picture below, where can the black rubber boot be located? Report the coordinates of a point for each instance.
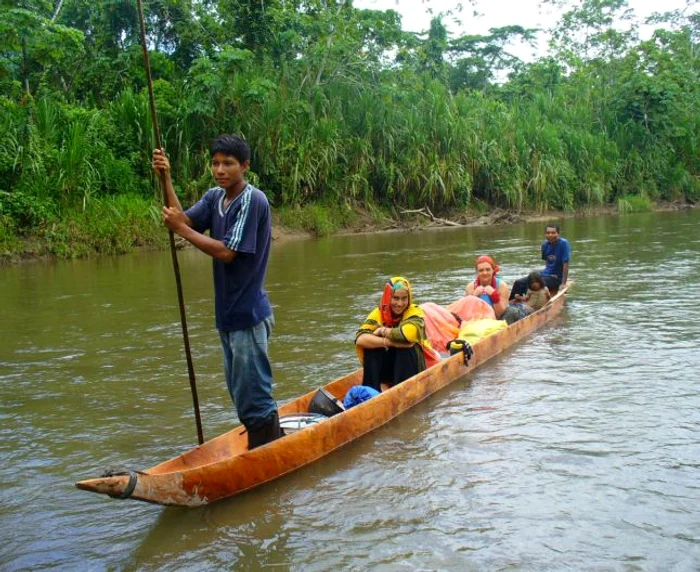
(268, 431)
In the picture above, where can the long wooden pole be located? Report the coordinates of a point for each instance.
(173, 254)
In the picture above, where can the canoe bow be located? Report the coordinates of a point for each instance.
(115, 486)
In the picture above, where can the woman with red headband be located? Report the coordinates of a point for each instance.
(391, 342)
(488, 287)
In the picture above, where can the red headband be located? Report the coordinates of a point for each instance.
(489, 260)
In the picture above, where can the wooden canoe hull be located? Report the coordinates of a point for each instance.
(223, 467)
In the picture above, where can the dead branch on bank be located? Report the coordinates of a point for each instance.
(425, 211)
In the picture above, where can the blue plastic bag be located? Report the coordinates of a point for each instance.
(358, 394)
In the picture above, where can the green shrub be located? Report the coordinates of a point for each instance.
(634, 204)
(111, 225)
(9, 241)
(25, 212)
(315, 218)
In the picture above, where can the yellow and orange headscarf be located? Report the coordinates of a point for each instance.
(396, 283)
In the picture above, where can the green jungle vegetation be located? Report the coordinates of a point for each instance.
(343, 110)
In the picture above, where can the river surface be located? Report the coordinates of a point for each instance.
(577, 449)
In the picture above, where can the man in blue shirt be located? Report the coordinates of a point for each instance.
(237, 216)
(556, 253)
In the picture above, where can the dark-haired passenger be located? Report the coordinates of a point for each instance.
(536, 297)
(237, 216)
(556, 252)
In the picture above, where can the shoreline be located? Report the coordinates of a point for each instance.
(409, 221)
(413, 222)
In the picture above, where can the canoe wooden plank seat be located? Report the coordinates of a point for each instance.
(223, 467)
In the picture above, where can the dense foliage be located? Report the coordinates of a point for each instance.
(339, 104)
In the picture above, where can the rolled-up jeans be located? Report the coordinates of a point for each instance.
(248, 372)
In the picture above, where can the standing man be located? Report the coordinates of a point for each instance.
(237, 216)
(556, 253)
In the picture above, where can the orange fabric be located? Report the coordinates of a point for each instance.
(441, 327)
(431, 356)
(471, 308)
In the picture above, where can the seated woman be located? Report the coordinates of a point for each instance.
(488, 287)
(391, 343)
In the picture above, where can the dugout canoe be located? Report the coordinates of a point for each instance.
(224, 467)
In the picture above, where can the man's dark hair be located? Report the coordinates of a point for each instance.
(231, 145)
(554, 226)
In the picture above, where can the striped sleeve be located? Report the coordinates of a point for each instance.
(244, 227)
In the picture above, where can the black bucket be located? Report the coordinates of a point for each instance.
(325, 404)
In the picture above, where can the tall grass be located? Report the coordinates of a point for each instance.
(634, 204)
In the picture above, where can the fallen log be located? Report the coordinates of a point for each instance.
(425, 211)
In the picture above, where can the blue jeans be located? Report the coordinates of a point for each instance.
(248, 372)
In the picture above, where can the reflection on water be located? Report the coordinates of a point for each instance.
(577, 449)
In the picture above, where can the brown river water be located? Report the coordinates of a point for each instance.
(577, 449)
